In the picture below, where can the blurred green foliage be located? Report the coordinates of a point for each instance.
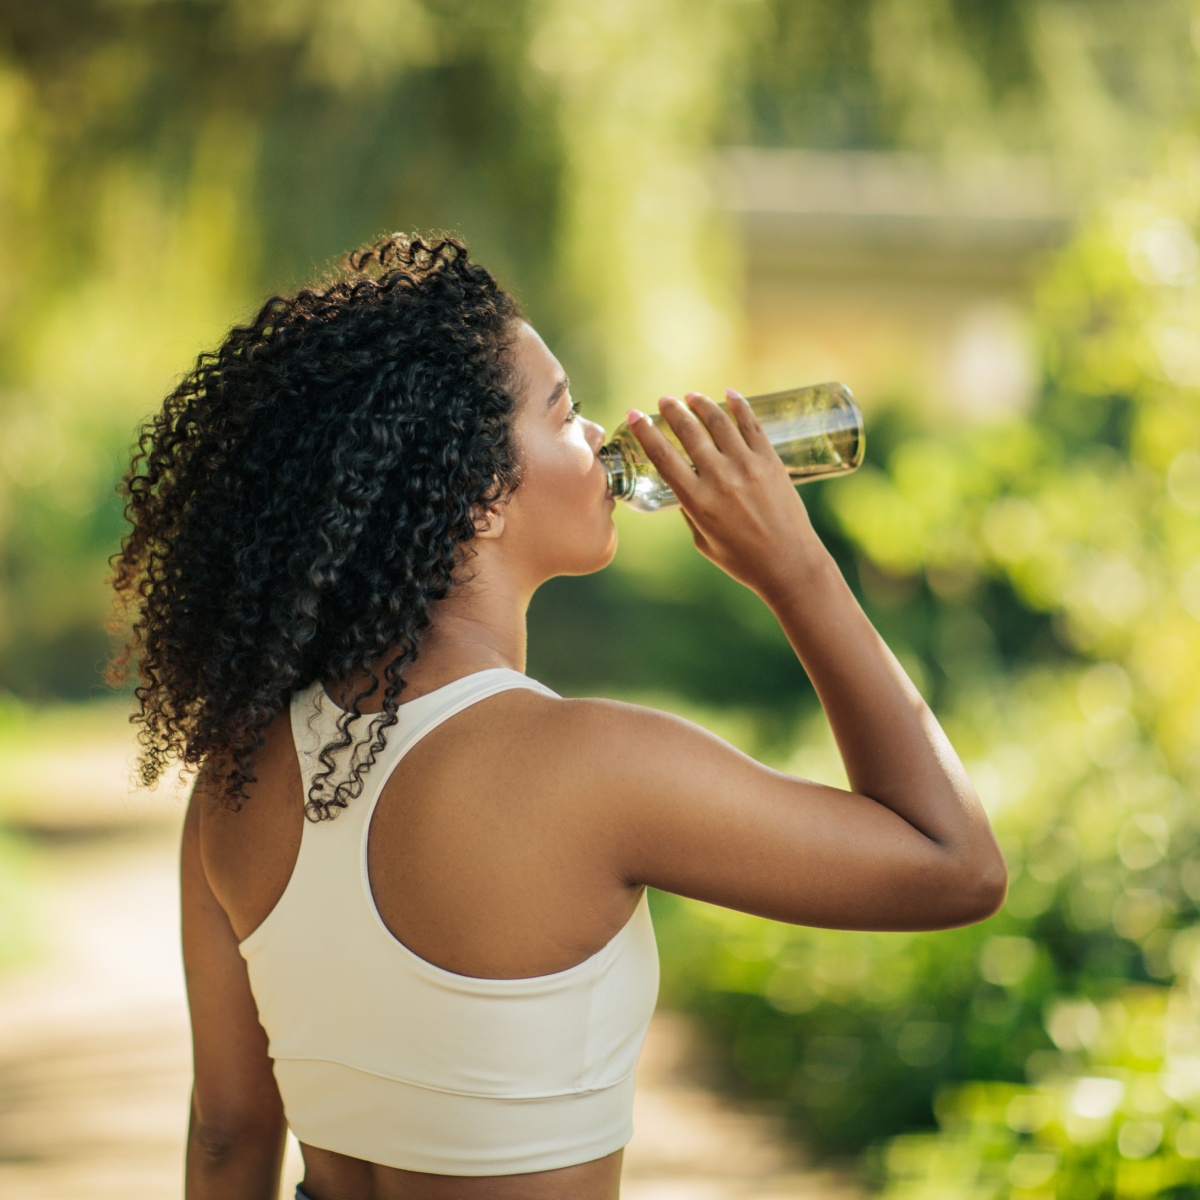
(166, 163)
(1085, 510)
(1121, 1120)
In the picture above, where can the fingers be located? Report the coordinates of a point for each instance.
(707, 434)
(690, 430)
(747, 422)
(732, 430)
(676, 471)
(721, 428)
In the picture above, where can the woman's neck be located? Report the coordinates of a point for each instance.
(474, 629)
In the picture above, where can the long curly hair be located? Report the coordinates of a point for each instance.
(303, 499)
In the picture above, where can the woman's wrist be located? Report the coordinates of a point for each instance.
(803, 569)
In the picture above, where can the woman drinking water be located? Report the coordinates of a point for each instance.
(415, 926)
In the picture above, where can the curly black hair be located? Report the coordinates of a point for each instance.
(302, 500)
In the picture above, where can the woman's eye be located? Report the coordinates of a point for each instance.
(576, 408)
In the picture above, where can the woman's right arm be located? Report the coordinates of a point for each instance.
(236, 1130)
(909, 847)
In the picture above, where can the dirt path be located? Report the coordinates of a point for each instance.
(95, 1072)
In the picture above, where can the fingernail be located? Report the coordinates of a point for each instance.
(733, 392)
(634, 415)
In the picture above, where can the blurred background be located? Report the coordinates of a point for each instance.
(981, 215)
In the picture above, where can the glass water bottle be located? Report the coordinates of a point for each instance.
(816, 431)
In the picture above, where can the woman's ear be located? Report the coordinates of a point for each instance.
(489, 522)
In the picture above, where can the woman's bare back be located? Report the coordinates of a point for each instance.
(479, 863)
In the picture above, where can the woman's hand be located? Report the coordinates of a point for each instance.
(736, 495)
(909, 846)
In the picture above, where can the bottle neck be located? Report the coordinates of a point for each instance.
(619, 470)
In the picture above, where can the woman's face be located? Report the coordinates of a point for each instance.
(559, 520)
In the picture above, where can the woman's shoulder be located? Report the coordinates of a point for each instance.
(603, 730)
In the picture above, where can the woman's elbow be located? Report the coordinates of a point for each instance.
(959, 890)
(982, 889)
(217, 1137)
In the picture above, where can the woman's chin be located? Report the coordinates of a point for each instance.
(601, 560)
(611, 553)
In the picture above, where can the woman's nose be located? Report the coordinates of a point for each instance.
(595, 435)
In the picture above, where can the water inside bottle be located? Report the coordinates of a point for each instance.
(816, 431)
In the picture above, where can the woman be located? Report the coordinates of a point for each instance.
(434, 960)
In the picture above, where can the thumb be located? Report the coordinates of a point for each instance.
(699, 538)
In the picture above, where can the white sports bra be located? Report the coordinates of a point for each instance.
(382, 1055)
